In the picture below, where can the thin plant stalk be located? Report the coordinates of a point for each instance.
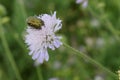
(38, 69)
(9, 54)
(92, 61)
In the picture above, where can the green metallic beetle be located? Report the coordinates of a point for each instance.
(35, 22)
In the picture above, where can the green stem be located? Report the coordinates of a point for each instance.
(39, 73)
(9, 54)
(113, 31)
(90, 60)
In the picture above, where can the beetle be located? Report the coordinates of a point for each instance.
(35, 22)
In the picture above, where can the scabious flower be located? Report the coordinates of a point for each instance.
(83, 2)
(39, 40)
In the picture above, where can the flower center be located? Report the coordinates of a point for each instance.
(49, 39)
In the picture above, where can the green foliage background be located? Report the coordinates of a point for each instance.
(94, 30)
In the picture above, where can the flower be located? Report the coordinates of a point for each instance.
(39, 40)
(84, 3)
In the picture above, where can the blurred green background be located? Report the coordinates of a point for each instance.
(94, 30)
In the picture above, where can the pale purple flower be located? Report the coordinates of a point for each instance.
(39, 40)
(83, 2)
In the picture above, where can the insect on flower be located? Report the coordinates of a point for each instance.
(35, 22)
(42, 35)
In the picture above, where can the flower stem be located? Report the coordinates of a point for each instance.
(90, 60)
(8, 53)
(39, 73)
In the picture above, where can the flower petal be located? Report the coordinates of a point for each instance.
(46, 56)
(35, 55)
(85, 4)
(57, 43)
